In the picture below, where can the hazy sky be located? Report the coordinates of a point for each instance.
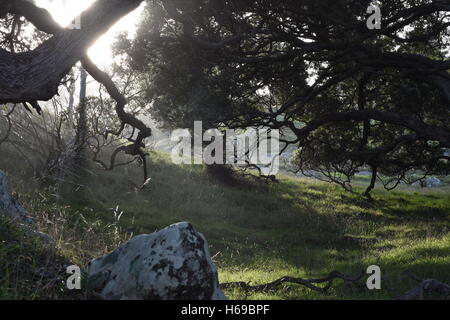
(64, 11)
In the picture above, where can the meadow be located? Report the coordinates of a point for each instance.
(257, 231)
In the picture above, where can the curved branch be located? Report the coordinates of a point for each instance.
(135, 149)
(309, 283)
(422, 129)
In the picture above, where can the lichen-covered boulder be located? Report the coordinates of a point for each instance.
(8, 205)
(173, 263)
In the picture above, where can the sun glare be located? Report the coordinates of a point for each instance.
(64, 12)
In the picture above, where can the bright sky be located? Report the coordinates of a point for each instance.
(64, 12)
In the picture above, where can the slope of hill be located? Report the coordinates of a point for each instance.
(257, 232)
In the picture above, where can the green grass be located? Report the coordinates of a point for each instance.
(29, 269)
(259, 232)
(296, 227)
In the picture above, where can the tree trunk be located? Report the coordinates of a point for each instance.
(371, 186)
(80, 157)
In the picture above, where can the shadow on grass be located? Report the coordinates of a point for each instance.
(304, 227)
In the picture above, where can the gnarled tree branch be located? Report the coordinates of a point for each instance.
(37, 74)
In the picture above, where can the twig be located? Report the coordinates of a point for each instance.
(309, 283)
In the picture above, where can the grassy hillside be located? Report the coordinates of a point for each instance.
(258, 232)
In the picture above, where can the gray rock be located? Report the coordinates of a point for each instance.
(429, 182)
(171, 264)
(11, 208)
(447, 152)
(8, 204)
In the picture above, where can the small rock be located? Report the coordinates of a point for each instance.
(429, 182)
(172, 264)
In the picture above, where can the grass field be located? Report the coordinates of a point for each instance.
(259, 232)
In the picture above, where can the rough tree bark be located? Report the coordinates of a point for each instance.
(36, 75)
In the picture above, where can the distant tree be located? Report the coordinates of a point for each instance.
(346, 96)
(82, 130)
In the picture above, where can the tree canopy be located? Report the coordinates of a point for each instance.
(344, 95)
